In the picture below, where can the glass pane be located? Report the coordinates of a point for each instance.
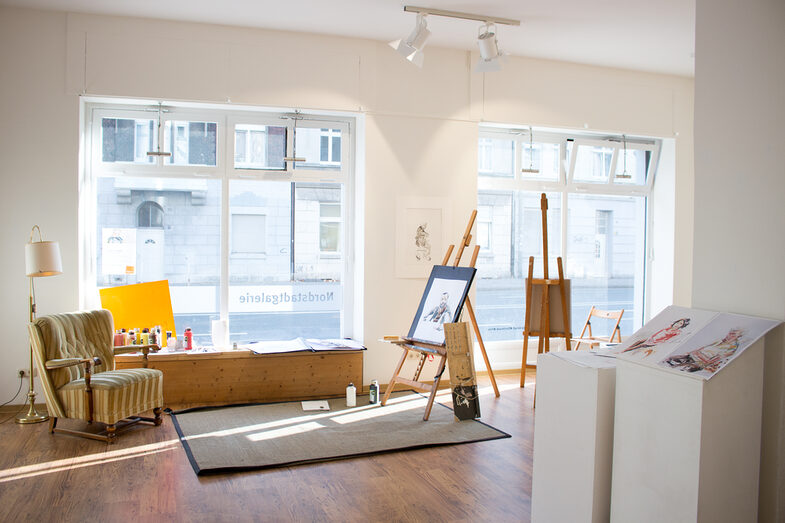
(321, 148)
(184, 249)
(593, 164)
(318, 234)
(515, 234)
(259, 146)
(541, 157)
(283, 289)
(605, 257)
(125, 140)
(496, 157)
(190, 143)
(632, 168)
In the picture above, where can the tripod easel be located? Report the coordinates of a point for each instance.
(425, 349)
(545, 284)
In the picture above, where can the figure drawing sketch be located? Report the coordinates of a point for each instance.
(422, 243)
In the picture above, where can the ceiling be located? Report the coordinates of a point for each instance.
(656, 36)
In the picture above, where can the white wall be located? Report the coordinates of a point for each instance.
(421, 131)
(739, 191)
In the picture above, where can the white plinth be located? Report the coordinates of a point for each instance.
(573, 441)
(687, 449)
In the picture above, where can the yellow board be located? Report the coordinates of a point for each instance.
(140, 305)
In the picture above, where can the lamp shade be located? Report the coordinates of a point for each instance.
(43, 259)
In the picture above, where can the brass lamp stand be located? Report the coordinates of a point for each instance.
(41, 259)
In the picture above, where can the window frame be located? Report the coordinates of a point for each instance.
(567, 185)
(224, 171)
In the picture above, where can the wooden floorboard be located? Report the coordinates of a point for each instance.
(146, 476)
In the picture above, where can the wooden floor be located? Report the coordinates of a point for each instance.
(146, 476)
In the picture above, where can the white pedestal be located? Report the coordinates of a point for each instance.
(687, 449)
(573, 441)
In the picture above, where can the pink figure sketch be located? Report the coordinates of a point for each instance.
(659, 337)
(709, 357)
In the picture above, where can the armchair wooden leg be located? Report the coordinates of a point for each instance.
(158, 420)
(52, 424)
(111, 435)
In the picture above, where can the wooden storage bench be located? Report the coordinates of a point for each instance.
(242, 376)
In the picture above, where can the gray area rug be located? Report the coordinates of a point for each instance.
(245, 437)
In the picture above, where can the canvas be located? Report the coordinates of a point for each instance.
(441, 302)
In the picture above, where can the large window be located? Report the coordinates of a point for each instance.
(207, 200)
(597, 189)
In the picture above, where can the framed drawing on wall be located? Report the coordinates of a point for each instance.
(420, 235)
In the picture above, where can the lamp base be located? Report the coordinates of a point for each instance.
(32, 416)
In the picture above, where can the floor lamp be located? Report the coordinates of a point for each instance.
(41, 259)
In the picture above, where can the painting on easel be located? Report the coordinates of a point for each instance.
(441, 302)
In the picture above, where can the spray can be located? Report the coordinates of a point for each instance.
(189, 339)
(373, 398)
(351, 395)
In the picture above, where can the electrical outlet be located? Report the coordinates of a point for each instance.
(22, 373)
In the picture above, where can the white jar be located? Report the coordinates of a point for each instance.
(351, 395)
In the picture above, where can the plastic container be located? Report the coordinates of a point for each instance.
(188, 336)
(351, 395)
(373, 397)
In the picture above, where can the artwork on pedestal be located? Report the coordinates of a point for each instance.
(692, 342)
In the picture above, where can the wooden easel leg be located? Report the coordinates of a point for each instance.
(435, 387)
(470, 310)
(391, 385)
(420, 365)
(565, 313)
(526, 321)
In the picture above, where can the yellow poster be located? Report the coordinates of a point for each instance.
(140, 305)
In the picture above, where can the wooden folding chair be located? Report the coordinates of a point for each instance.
(591, 340)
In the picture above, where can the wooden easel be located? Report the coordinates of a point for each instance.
(426, 349)
(544, 332)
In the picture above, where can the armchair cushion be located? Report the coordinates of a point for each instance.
(117, 394)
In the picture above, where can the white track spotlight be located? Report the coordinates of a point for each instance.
(489, 49)
(411, 47)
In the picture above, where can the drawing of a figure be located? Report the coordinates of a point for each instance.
(661, 336)
(440, 313)
(709, 357)
(422, 242)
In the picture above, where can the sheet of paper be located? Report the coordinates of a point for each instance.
(315, 405)
(282, 346)
(693, 342)
(334, 344)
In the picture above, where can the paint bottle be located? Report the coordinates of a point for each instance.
(171, 343)
(144, 338)
(188, 336)
(119, 339)
(373, 398)
(351, 395)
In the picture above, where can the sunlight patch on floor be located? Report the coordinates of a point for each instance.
(28, 471)
(286, 431)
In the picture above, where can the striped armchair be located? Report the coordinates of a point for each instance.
(74, 355)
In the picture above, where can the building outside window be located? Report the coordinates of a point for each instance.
(284, 248)
(596, 223)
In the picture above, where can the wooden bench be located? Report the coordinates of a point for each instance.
(240, 376)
